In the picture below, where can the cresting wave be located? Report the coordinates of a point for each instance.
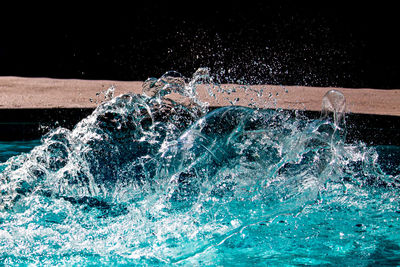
(147, 180)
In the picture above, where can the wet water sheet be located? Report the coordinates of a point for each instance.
(144, 180)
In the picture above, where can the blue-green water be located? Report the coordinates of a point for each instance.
(9, 149)
(147, 181)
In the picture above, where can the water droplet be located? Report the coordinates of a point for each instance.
(334, 102)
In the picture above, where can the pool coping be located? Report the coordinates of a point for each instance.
(23, 92)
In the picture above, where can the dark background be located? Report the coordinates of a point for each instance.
(277, 42)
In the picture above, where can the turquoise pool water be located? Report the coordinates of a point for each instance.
(9, 149)
(147, 181)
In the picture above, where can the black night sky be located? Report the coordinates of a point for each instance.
(277, 42)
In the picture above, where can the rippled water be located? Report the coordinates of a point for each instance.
(13, 148)
(145, 180)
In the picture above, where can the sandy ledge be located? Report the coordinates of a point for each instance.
(19, 92)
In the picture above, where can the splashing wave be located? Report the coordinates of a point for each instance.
(149, 180)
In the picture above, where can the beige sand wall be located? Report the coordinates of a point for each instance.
(18, 92)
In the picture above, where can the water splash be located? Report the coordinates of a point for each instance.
(334, 102)
(147, 179)
(105, 95)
